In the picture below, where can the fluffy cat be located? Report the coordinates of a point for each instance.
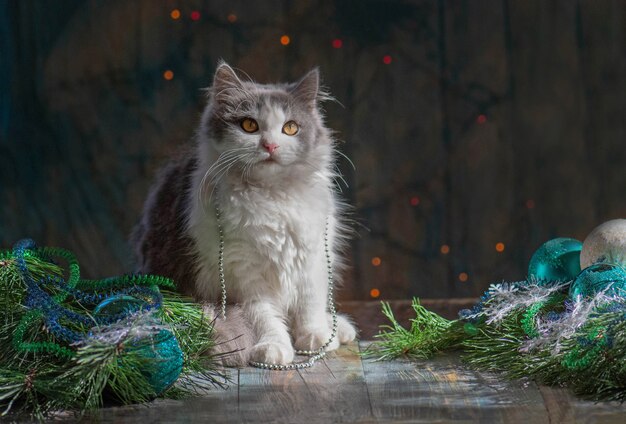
(264, 158)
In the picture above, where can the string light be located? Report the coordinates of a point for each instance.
(285, 40)
(376, 261)
(195, 15)
(415, 201)
(463, 277)
(387, 59)
(168, 75)
(500, 247)
(445, 249)
(175, 14)
(337, 43)
(374, 293)
(232, 18)
(481, 119)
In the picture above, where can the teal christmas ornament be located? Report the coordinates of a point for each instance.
(159, 354)
(555, 260)
(117, 305)
(163, 359)
(601, 277)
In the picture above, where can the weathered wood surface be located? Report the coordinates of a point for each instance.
(346, 389)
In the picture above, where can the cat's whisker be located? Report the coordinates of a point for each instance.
(226, 155)
(347, 158)
(223, 170)
(339, 176)
(244, 167)
(225, 158)
(216, 178)
(248, 168)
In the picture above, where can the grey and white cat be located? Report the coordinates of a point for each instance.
(263, 157)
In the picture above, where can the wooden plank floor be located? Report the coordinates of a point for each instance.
(345, 389)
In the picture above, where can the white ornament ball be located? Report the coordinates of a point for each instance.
(606, 243)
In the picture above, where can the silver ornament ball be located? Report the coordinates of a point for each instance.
(605, 244)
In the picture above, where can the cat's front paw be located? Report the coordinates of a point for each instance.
(314, 339)
(346, 332)
(272, 353)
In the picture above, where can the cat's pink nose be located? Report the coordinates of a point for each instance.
(270, 147)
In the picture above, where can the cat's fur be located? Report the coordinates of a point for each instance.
(275, 204)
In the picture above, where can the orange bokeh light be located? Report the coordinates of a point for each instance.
(375, 293)
(232, 18)
(445, 249)
(500, 247)
(168, 75)
(175, 14)
(285, 40)
(463, 277)
(376, 261)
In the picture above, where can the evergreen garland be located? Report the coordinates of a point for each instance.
(569, 331)
(74, 344)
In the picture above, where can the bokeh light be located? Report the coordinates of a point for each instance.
(285, 40)
(374, 293)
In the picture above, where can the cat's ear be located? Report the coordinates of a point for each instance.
(225, 83)
(307, 89)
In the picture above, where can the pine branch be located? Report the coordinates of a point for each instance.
(429, 334)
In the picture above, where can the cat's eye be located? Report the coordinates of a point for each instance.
(290, 128)
(249, 125)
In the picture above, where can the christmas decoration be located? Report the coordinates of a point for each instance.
(556, 326)
(606, 243)
(73, 344)
(555, 260)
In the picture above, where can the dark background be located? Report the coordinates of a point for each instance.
(470, 123)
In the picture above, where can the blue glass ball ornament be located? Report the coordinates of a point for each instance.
(165, 359)
(555, 260)
(118, 305)
(599, 277)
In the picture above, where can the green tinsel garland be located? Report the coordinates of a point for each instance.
(72, 345)
(569, 331)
